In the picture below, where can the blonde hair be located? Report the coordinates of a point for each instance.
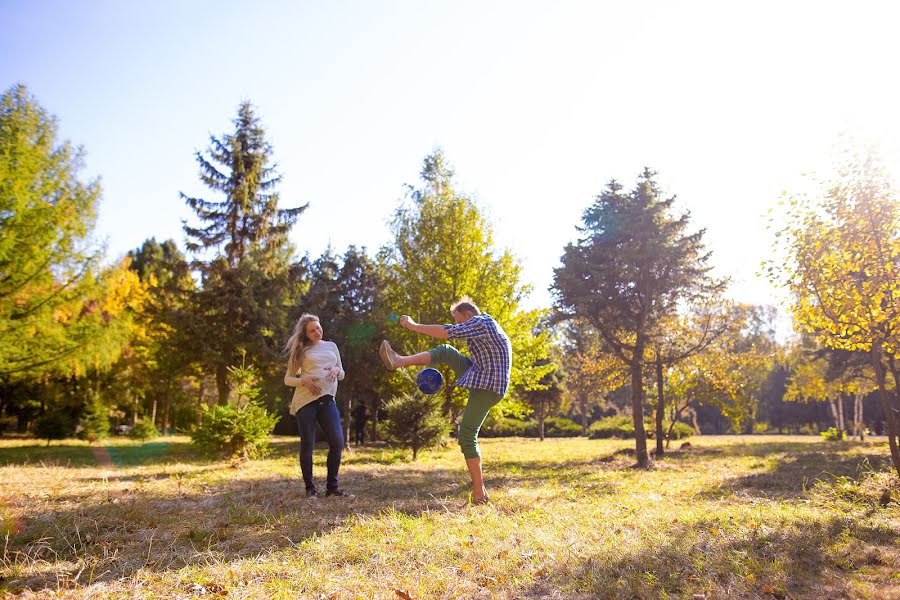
(297, 343)
(465, 304)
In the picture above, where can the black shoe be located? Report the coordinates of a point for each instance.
(338, 492)
(313, 493)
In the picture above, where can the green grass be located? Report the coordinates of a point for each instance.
(734, 517)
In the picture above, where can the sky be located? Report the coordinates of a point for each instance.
(537, 105)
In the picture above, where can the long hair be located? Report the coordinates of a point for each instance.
(297, 343)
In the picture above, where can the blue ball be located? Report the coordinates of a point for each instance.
(429, 381)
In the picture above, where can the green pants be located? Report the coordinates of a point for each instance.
(479, 404)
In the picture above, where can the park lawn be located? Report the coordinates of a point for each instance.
(731, 517)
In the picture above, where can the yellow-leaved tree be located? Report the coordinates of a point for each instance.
(841, 262)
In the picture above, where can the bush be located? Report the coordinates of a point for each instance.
(832, 434)
(506, 427)
(622, 427)
(143, 430)
(681, 431)
(241, 429)
(94, 421)
(53, 426)
(416, 421)
(561, 427)
(235, 431)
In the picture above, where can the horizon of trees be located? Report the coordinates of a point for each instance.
(640, 327)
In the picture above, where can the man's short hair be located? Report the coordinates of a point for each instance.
(465, 304)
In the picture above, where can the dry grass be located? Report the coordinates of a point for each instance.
(734, 517)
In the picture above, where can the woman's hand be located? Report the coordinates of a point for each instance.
(406, 321)
(332, 373)
(311, 384)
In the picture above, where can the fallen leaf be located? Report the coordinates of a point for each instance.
(503, 554)
(404, 595)
(715, 531)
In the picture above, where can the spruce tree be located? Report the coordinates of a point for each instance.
(241, 252)
(634, 265)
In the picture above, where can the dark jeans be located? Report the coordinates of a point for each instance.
(324, 412)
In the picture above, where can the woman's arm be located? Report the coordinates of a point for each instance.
(340, 366)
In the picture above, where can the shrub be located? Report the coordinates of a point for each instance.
(506, 427)
(143, 430)
(53, 426)
(235, 431)
(622, 426)
(832, 434)
(561, 427)
(416, 421)
(94, 421)
(681, 431)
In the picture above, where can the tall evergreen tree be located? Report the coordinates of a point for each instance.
(241, 251)
(633, 267)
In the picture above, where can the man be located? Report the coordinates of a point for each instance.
(486, 374)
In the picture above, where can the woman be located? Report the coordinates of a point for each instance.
(314, 368)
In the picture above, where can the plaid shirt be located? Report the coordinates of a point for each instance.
(491, 353)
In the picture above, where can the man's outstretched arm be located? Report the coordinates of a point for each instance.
(435, 331)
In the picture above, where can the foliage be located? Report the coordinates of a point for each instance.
(506, 427)
(633, 267)
(241, 252)
(416, 421)
(143, 429)
(54, 425)
(561, 427)
(840, 259)
(240, 429)
(442, 250)
(347, 295)
(832, 434)
(622, 426)
(59, 315)
(94, 420)
(235, 431)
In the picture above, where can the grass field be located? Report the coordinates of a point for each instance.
(732, 517)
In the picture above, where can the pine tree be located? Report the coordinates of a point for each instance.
(633, 266)
(241, 252)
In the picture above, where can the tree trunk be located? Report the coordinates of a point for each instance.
(858, 415)
(660, 407)
(222, 384)
(842, 427)
(584, 417)
(832, 404)
(153, 413)
(165, 412)
(541, 421)
(890, 418)
(637, 407)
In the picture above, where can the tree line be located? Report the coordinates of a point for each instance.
(639, 326)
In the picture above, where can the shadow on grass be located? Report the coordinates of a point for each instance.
(57, 455)
(118, 532)
(791, 476)
(805, 560)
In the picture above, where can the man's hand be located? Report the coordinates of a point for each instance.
(406, 321)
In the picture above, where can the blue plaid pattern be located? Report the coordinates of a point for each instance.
(491, 353)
